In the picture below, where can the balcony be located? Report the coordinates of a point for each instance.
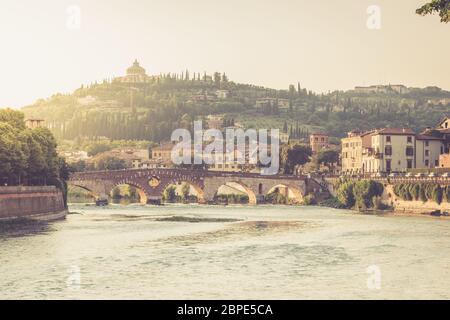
(371, 152)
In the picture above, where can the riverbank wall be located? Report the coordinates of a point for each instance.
(414, 206)
(395, 202)
(43, 203)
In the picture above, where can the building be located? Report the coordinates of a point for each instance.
(436, 102)
(272, 102)
(222, 94)
(34, 123)
(319, 141)
(396, 88)
(163, 153)
(428, 151)
(284, 138)
(149, 164)
(74, 156)
(134, 75)
(215, 122)
(396, 149)
(444, 161)
(352, 151)
(391, 150)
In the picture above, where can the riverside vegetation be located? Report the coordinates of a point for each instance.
(360, 195)
(28, 156)
(423, 192)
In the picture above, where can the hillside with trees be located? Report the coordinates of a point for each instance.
(151, 111)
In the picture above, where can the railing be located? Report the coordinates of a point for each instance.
(392, 180)
(198, 173)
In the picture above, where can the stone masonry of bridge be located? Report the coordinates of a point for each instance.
(151, 183)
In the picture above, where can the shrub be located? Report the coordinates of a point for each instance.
(422, 193)
(364, 191)
(415, 191)
(345, 194)
(446, 192)
(275, 198)
(437, 194)
(360, 193)
(309, 200)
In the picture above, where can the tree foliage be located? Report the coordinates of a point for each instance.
(362, 194)
(442, 7)
(293, 155)
(423, 192)
(27, 156)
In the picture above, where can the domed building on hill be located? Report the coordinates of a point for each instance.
(135, 74)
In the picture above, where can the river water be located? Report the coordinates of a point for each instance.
(234, 252)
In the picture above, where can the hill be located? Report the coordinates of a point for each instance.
(151, 110)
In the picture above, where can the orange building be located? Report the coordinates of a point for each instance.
(319, 141)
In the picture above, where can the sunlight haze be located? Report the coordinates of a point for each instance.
(325, 45)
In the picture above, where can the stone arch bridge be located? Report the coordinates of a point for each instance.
(151, 183)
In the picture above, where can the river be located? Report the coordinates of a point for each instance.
(234, 252)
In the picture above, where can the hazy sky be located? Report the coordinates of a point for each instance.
(324, 44)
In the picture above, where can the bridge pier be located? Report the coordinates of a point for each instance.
(154, 200)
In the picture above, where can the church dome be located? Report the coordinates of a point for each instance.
(135, 69)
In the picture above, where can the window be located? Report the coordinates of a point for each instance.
(427, 153)
(388, 139)
(388, 151)
(409, 151)
(436, 163)
(388, 165)
(427, 163)
(409, 139)
(427, 143)
(442, 150)
(409, 163)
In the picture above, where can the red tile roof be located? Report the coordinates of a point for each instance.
(427, 137)
(395, 131)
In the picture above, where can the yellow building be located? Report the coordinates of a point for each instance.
(428, 151)
(391, 150)
(352, 151)
(34, 123)
(163, 153)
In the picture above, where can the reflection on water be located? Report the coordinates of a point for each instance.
(23, 227)
(237, 252)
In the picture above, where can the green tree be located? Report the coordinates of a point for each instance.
(106, 162)
(97, 148)
(13, 117)
(170, 194)
(327, 157)
(185, 191)
(345, 194)
(293, 155)
(440, 6)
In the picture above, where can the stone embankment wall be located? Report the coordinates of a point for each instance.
(39, 203)
(400, 205)
(389, 198)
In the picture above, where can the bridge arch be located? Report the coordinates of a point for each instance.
(198, 190)
(91, 193)
(293, 194)
(252, 199)
(143, 196)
